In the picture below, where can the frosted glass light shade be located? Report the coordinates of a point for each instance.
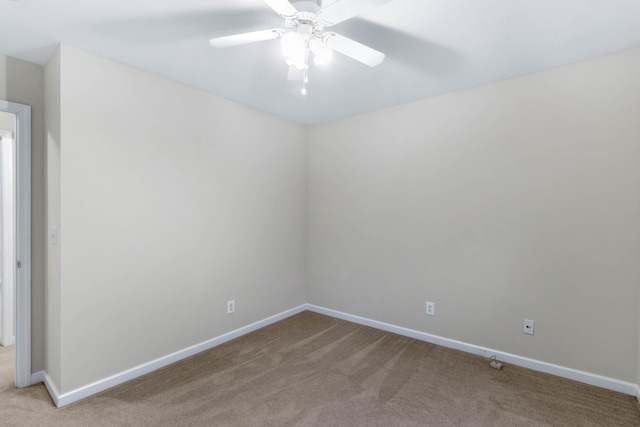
(322, 53)
(294, 49)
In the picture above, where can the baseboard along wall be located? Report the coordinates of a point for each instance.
(64, 399)
(61, 400)
(536, 365)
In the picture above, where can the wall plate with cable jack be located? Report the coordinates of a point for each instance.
(528, 327)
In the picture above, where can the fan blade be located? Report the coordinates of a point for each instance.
(346, 9)
(353, 49)
(282, 7)
(245, 38)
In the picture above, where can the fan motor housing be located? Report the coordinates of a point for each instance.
(306, 16)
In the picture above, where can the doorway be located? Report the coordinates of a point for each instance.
(20, 265)
(7, 228)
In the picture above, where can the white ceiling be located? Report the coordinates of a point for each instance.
(432, 46)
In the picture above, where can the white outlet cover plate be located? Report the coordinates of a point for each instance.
(528, 327)
(431, 309)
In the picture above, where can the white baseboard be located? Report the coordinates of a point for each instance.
(561, 371)
(38, 377)
(73, 396)
(8, 341)
(52, 389)
(114, 380)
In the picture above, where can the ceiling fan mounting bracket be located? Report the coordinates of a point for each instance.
(306, 17)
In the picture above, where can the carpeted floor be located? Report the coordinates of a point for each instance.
(313, 370)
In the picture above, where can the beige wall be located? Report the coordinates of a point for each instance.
(514, 200)
(53, 308)
(23, 82)
(172, 201)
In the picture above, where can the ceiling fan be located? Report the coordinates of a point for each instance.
(305, 22)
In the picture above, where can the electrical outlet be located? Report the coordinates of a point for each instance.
(431, 308)
(231, 306)
(528, 326)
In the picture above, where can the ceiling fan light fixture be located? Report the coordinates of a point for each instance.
(294, 49)
(322, 53)
(304, 35)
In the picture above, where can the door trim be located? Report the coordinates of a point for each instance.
(23, 241)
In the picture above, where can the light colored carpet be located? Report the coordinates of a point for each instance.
(313, 370)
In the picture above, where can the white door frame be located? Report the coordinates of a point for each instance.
(22, 272)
